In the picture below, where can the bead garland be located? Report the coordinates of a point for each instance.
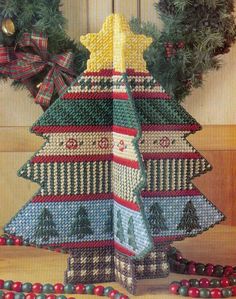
(222, 287)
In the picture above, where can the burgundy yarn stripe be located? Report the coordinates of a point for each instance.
(124, 130)
(174, 193)
(125, 162)
(128, 204)
(74, 197)
(85, 244)
(176, 127)
(123, 250)
(76, 158)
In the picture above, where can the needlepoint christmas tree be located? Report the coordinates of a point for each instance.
(115, 141)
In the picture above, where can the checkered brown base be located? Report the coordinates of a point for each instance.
(90, 265)
(128, 272)
(105, 265)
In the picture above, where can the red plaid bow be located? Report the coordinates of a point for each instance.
(29, 64)
(5, 58)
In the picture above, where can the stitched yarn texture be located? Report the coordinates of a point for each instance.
(115, 171)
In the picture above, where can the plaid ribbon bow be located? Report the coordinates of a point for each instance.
(28, 64)
(5, 59)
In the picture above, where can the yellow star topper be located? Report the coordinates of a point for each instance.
(116, 47)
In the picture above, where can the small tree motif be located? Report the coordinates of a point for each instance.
(81, 225)
(131, 234)
(109, 222)
(46, 227)
(189, 221)
(120, 229)
(156, 219)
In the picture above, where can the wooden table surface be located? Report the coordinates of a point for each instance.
(217, 246)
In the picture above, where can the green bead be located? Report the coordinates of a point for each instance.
(48, 288)
(233, 280)
(107, 290)
(226, 293)
(7, 284)
(215, 283)
(194, 283)
(200, 268)
(61, 297)
(205, 293)
(9, 242)
(40, 296)
(19, 296)
(27, 287)
(89, 288)
(183, 291)
(2, 295)
(69, 289)
(218, 271)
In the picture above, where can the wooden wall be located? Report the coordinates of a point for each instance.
(214, 106)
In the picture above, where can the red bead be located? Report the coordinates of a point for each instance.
(112, 294)
(80, 288)
(16, 287)
(71, 297)
(228, 271)
(173, 288)
(37, 287)
(58, 288)
(192, 268)
(224, 282)
(124, 297)
(98, 290)
(17, 241)
(215, 293)
(1, 283)
(9, 295)
(2, 241)
(51, 296)
(185, 283)
(233, 289)
(30, 296)
(209, 270)
(193, 292)
(204, 283)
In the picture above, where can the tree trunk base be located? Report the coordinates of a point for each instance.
(96, 265)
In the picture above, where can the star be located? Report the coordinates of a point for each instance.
(116, 47)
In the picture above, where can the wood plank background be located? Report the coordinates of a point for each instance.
(214, 106)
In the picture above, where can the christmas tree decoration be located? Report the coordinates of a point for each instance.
(115, 140)
(190, 220)
(8, 27)
(194, 32)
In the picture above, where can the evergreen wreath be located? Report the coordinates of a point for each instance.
(195, 32)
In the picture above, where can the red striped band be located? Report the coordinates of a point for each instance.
(74, 197)
(76, 158)
(123, 250)
(111, 72)
(155, 156)
(85, 244)
(174, 193)
(128, 204)
(64, 129)
(126, 162)
(124, 130)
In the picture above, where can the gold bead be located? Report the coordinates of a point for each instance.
(8, 27)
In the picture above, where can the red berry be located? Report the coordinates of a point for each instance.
(98, 290)
(58, 288)
(1, 283)
(112, 294)
(17, 241)
(215, 293)
(9, 295)
(204, 283)
(233, 289)
(209, 269)
(2, 241)
(185, 283)
(80, 288)
(16, 287)
(224, 282)
(228, 270)
(37, 288)
(173, 288)
(193, 292)
(30, 296)
(51, 296)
